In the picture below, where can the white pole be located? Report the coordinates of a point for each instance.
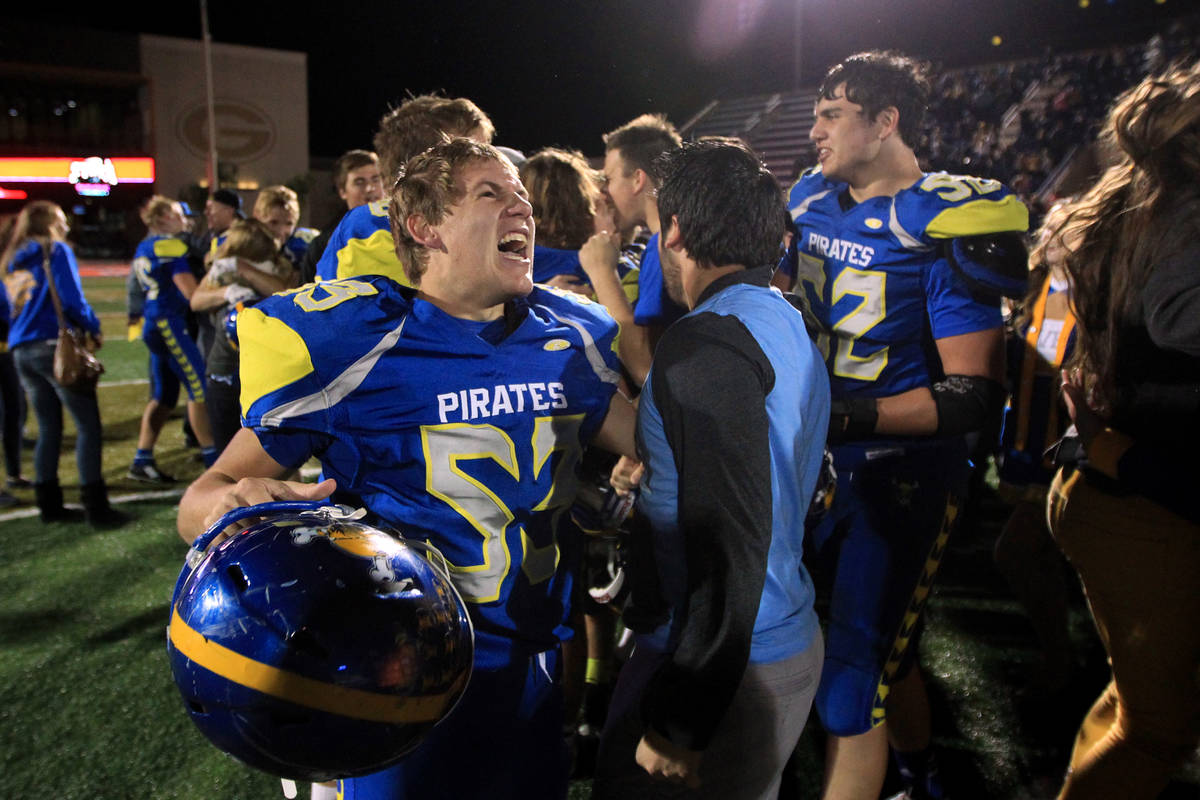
(211, 166)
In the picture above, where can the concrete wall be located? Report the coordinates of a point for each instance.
(261, 100)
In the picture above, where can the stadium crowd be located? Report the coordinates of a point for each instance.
(792, 387)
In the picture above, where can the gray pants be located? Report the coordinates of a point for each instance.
(746, 757)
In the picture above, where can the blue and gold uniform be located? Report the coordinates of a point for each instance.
(550, 261)
(174, 357)
(874, 274)
(465, 435)
(297, 245)
(654, 306)
(361, 244)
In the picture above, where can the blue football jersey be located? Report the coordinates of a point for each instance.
(654, 306)
(361, 244)
(875, 276)
(156, 262)
(297, 244)
(549, 261)
(453, 439)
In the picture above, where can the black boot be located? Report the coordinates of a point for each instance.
(50, 503)
(95, 504)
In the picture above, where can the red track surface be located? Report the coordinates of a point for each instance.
(103, 269)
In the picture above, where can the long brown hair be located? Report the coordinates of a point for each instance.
(562, 190)
(1039, 262)
(252, 240)
(1129, 220)
(35, 221)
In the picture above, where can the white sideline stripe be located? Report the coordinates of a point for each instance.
(132, 382)
(161, 494)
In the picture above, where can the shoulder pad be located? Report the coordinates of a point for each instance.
(947, 206)
(812, 186)
(810, 181)
(169, 248)
(562, 303)
(994, 263)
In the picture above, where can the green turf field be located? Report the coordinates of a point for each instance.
(88, 708)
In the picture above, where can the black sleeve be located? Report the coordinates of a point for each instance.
(710, 382)
(307, 268)
(1162, 464)
(1171, 301)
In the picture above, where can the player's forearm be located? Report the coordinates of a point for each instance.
(261, 282)
(911, 413)
(634, 350)
(616, 433)
(207, 297)
(245, 474)
(199, 499)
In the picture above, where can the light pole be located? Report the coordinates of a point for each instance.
(798, 44)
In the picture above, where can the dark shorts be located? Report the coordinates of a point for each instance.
(874, 556)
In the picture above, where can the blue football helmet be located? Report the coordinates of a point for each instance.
(313, 646)
(231, 317)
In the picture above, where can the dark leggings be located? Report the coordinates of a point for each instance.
(12, 400)
(224, 408)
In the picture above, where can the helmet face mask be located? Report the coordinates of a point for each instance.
(314, 647)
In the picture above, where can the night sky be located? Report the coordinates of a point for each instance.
(565, 72)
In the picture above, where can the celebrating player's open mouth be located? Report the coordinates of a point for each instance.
(515, 246)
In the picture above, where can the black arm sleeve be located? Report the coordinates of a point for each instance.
(710, 382)
(307, 268)
(1160, 404)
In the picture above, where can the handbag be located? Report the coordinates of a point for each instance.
(75, 367)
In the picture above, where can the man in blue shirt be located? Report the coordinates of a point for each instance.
(731, 430)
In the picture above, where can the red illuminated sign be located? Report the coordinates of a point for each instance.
(91, 175)
(13, 194)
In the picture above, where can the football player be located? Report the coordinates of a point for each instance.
(358, 181)
(362, 242)
(161, 267)
(902, 268)
(278, 207)
(456, 412)
(631, 186)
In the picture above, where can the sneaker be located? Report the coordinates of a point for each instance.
(19, 483)
(148, 473)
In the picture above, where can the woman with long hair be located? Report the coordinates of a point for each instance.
(1124, 511)
(38, 242)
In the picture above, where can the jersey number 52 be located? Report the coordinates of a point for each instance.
(447, 447)
(867, 308)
